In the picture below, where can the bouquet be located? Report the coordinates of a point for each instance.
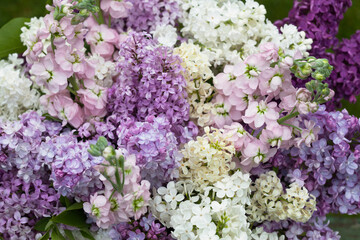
(177, 119)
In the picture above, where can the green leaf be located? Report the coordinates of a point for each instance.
(41, 224)
(10, 37)
(74, 218)
(45, 236)
(56, 235)
(69, 234)
(86, 234)
(65, 201)
(75, 206)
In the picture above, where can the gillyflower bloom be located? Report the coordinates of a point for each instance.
(259, 113)
(99, 208)
(256, 152)
(276, 135)
(116, 8)
(309, 134)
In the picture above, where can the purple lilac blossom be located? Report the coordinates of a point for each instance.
(20, 143)
(315, 229)
(145, 228)
(155, 147)
(320, 19)
(23, 203)
(150, 83)
(71, 166)
(329, 169)
(146, 15)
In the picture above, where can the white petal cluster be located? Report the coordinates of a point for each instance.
(208, 159)
(29, 33)
(166, 35)
(211, 215)
(269, 201)
(16, 92)
(229, 30)
(199, 90)
(104, 70)
(259, 234)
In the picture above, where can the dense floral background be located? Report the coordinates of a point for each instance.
(349, 227)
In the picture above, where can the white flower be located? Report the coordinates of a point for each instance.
(173, 198)
(230, 30)
(201, 216)
(17, 92)
(165, 34)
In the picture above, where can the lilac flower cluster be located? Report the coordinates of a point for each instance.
(315, 229)
(145, 228)
(71, 166)
(20, 141)
(329, 169)
(23, 203)
(146, 15)
(346, 75)
(320, 20)
(150, 83)
(155, 147)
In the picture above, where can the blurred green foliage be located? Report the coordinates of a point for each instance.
(20, 8)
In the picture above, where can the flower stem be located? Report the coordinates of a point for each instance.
(287, 117)
(101, 17)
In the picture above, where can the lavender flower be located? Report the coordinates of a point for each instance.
(145, 228)
(23, 203)
(320, 19)
(71, 166)
(329, 169)
(146, 15)
(20, 142)
(150, 83)
(155, 147)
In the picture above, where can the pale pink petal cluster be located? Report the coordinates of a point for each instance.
(253, 97)
(66, 70)
(116, 8)
(120, 207)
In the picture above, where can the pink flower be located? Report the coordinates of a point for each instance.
(276, 135)
(99, 208)
(47, 73)
(116, 8)
(288, 98)
(248, 73)
(102, 40)
(259, 113)
(224, 81)
(273, 80)
(238, 135)
(269, 51)
(254, 153)
(62, 106)
(70, 59)
(223, 109)
(94, 101)
(309, 134)
(141, 201)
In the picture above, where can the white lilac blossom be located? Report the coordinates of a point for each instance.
(218, 213)
(17, 92)
(207, 159)
(29, 35)
(197, 75)
(231, 30)
(270, 202)
(166, 35)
